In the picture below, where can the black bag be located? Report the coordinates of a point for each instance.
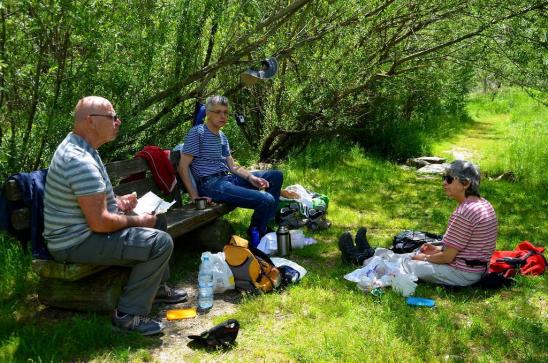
(409, 241)
(220, 336)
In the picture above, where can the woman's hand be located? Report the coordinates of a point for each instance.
(420, 257)
(429, 249)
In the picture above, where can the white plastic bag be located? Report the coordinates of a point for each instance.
(268, 243)
(297, 238)
(223, 279)
(403, 285)
(279, 261)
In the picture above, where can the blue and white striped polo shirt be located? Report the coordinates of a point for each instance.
(209, 150)
(76, 170)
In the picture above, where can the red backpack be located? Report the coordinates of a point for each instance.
(526, 258)
(504, 265)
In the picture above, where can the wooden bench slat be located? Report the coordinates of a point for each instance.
(186, 219)
(125, 168)
(140, 186)
(179, 220)
(99, 292)
(64, 271)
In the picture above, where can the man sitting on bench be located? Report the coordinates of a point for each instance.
(207, 152)
(85, 223)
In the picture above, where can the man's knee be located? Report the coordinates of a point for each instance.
(268, 201)
(276, 177)
(163, 244)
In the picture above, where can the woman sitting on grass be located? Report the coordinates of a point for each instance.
(467, 244)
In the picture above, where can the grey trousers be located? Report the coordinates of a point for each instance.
(145, 250)
(442, 274)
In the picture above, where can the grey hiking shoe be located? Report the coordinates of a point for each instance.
(137, 323)
(169, 295)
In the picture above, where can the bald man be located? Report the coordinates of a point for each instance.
(84, 222)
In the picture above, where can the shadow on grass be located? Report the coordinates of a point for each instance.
(54, 335)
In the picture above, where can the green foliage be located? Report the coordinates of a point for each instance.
(368, 68)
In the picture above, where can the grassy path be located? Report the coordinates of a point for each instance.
(474, 141)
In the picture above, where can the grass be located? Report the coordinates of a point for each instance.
(509, 134)
(326, 318)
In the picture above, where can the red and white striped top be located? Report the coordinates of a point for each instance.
(472, 230)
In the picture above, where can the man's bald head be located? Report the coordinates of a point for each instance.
(89, 105)
(95, 120)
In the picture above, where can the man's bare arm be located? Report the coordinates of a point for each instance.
(184, 172)
(99, 219)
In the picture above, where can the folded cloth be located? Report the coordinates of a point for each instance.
(160, 166)
(32, 187)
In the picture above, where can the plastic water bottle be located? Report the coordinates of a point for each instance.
(205, 285)
(255, 240)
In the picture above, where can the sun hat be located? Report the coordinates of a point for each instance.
(269, 67)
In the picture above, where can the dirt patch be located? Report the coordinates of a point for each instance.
(175, 341)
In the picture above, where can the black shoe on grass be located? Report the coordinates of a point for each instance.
(347, 247)
(361, 240)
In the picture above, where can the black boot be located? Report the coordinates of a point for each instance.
(359, 257)
(361, 240)
(347, 248)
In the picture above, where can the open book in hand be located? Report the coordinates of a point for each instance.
(151, 203)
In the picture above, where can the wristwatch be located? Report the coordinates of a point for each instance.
(425, 259)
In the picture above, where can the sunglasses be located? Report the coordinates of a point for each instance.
(114, 117)
(448, 178)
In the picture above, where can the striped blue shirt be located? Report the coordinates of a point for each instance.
(208, 149)
(76, 170)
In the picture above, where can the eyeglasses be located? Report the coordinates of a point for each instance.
(114, 117)
(448, 178)
(220, 112)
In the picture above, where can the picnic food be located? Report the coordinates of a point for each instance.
(289, 195)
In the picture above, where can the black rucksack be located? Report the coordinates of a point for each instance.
(409, 241)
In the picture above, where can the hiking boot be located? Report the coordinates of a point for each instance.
(361, 240)
(347, 248)
(359, 257)
(138, 323)
(169, 295)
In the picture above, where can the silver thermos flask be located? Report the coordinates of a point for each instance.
(284, 240)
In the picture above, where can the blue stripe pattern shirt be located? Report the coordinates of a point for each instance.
(209, 150)
(76, 170)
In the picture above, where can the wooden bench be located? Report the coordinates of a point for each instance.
(97, 288)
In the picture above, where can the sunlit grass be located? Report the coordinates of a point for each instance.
(510, 134)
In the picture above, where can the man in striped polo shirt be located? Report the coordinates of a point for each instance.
(206, 152)
(84, 222)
